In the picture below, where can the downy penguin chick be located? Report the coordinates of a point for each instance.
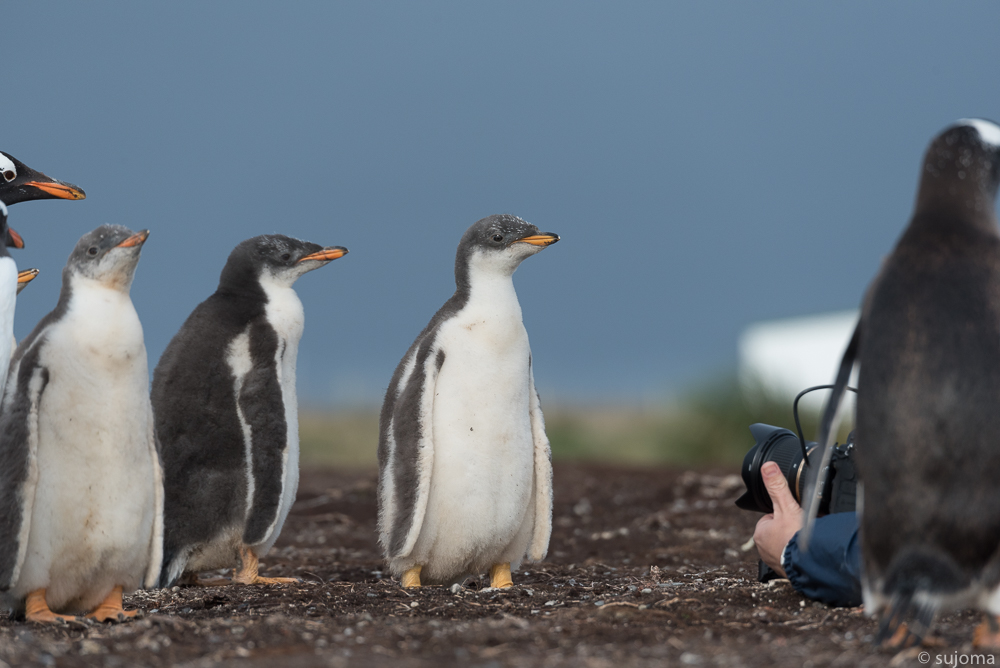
(465, 478)
(81, 494)
(227, 415)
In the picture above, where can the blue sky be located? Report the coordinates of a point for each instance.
(706, 164)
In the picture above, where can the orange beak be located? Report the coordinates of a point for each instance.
(546, 239)
(26, 276)
(137, 239)
(18, 241)
(60, 190)
(327, 254)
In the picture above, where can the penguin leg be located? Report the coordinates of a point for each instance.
(111, 608)
(247, 573)
(500, 576)
(988, 633)
(902, 638)
(411, 578)
(36, 609)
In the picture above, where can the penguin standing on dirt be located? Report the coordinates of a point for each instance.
(81, 494)
(465, 478)
(227, 415)
(928, 425)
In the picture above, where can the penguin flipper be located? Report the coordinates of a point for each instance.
(19, 462)
(156, 540)
(542, 531)
(410, 447)
(268, 434)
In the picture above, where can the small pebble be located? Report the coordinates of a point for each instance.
(455, 588)
(414, 604)
(598, 603)
(647, 590)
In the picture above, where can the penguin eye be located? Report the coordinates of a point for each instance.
(497, 237)
(9, 174)
(92, 250)
(286, 256)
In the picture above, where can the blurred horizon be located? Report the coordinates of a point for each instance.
(708, 165)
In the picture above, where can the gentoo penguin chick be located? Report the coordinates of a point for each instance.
(465, 478)
(928, 344)
(20, 183)
(227, 415)
(81, 494)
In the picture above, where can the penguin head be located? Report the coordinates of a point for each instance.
(498, 244)
(20, 183)
(108, 255)
(274, 259)
(962, 168)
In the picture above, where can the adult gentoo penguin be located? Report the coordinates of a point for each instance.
(465, 479)
(227, 415)
(80, 488)
(928, 428)
(20, 183)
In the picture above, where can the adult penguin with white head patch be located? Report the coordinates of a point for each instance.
(465, 478)
(80, 489)
(227, 415)
(928, 424)
(20, 183)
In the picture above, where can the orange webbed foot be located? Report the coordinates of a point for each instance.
(987, 634)
(247, 573)
(110, 610)
(36, 609)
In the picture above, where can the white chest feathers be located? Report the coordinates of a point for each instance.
(99, 339)
(8, 298)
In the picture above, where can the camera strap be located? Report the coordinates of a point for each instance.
(818, 468)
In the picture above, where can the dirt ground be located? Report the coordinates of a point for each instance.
(645, 568)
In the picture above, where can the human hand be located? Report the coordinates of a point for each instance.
(775, 529)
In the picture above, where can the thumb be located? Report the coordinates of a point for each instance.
(777, 489)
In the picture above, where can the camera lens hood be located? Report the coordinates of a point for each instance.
(773, 444)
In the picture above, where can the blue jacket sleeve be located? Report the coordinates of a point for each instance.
(831, 570)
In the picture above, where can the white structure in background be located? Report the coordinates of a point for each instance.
(784, 357)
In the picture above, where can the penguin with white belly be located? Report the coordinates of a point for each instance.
(81, 494)
(465, 477)
(227, 416)
(10, 286)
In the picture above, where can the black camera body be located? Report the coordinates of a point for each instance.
(774, 444)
